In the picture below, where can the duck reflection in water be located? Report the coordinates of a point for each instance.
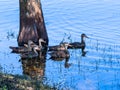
(66, 64)
(33, 61)
(34, 67)
(62, 54)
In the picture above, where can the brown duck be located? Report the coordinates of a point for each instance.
(33, 49)
(62, 46)
(60, 53)
(81, 44)
(31, 46)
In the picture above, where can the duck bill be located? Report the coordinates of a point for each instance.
(44, 41)
(69, 45)
(25, 45)
(86, 36)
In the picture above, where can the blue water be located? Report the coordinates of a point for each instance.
(98, 19)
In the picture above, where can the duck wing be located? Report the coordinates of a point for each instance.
(19, 49)
(76, 45)
(54, 48)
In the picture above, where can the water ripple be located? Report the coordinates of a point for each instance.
(100, 20)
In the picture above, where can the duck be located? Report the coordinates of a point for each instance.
(28, 47)
(21, 49)
(33, 48)
(18, 49)
(61, 46)
(61, 54)
(81, 44)
(31, 45)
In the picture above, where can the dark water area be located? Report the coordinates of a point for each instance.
(99, 69)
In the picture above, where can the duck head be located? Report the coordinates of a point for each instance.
(40, 41)
(30, 42)
(84, 35)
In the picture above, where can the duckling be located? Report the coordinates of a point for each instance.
(81, 44)
(60, 53)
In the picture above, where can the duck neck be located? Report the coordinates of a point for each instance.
(66, 47)
(82, 40)
(29, 47)
(35, 51)
(40, 45)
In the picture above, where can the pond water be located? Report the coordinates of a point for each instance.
(99, 69)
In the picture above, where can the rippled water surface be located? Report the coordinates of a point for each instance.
(98, 19)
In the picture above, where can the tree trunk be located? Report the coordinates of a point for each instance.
(32, 26)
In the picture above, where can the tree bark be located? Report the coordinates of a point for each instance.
(32, 26)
